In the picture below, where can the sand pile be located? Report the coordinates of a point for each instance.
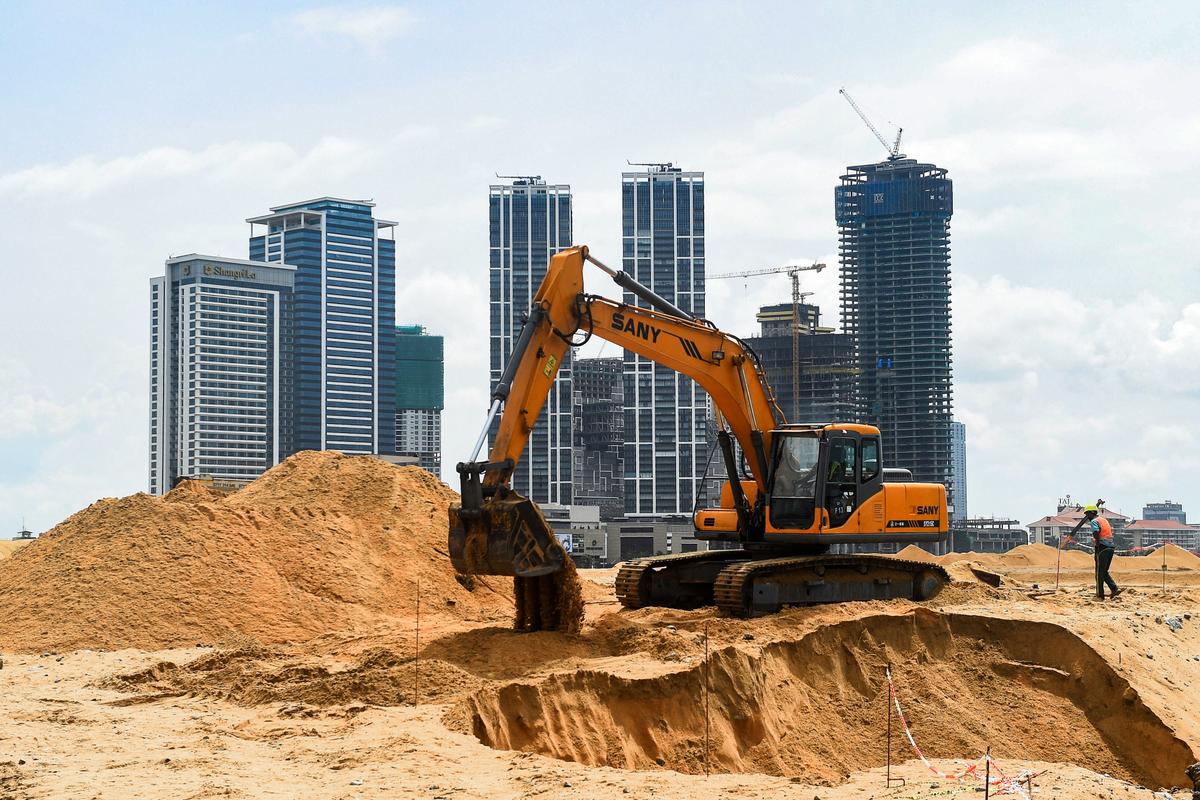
(1031, 555)
(914, 553)
(1175, 556)
(321, 542)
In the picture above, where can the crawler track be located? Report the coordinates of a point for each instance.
(756, 588)
(683, 580)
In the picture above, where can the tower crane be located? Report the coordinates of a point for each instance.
(894, 148)
(793, 272)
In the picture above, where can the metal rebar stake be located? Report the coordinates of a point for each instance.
(987, 773)
(887, 697)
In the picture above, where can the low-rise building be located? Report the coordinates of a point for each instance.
(629, 539)
(988, 535)
(1149, 532)
(1048, 530)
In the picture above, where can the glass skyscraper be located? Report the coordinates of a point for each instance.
(665, 413)
(345, 337)
(529, 222)
(420, 393)
(220, 369)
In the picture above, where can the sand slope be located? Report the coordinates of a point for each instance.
(321, 542)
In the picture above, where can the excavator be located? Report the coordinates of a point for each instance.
(793, 491)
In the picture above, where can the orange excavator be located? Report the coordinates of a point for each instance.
(794, 490)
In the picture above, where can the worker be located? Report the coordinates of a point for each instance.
(1102, 536)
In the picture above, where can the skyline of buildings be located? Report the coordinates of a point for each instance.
(528, 222)
(666, 414)
(344, 292)
(345, 300)
(220, 377)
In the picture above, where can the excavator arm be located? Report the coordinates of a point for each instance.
(494, 530)
(717, 361)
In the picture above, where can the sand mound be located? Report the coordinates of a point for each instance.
(1031, 555)
(914, 553)
(812, 708)
(321, 542)
(1175, 556)
(259, 676)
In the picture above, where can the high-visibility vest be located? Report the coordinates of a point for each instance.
(1105, 530)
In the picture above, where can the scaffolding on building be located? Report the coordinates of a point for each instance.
(894, 232)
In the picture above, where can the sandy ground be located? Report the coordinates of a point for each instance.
(335, 718)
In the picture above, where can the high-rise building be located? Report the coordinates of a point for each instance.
(827, 365)
(894, 228)
(529, 222)
(345, 320)
(598, 385)
(1166, 510)
(220, 369)
(666, 413)
(958, 465)
(420, 391)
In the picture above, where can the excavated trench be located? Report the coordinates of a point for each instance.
(814, 708)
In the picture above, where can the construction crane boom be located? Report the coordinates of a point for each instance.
(793, 272)
(893, 149)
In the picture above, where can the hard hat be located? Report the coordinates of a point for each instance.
(1091, 507)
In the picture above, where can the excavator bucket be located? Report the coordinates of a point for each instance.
(503, 536)
(506, 534)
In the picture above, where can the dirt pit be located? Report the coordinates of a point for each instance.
(814, 708)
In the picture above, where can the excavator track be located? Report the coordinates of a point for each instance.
(757, 588)
(682, 580)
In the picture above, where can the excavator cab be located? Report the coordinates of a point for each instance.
(820, 479)
(821, 476)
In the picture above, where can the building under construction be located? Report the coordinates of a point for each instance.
(598, 397)
(827, 365)
(894, 225)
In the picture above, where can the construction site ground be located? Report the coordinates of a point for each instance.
(244, 696)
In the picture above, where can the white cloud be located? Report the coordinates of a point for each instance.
(229, 162)
(368, 26)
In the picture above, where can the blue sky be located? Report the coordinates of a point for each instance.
(134, 132)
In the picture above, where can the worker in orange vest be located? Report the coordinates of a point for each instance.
(1102, 536)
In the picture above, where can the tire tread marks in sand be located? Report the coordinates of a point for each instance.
(260, 676)
(812, 708)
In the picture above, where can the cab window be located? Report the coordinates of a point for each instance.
(794, 487)
(841, 461)
(870, 459)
